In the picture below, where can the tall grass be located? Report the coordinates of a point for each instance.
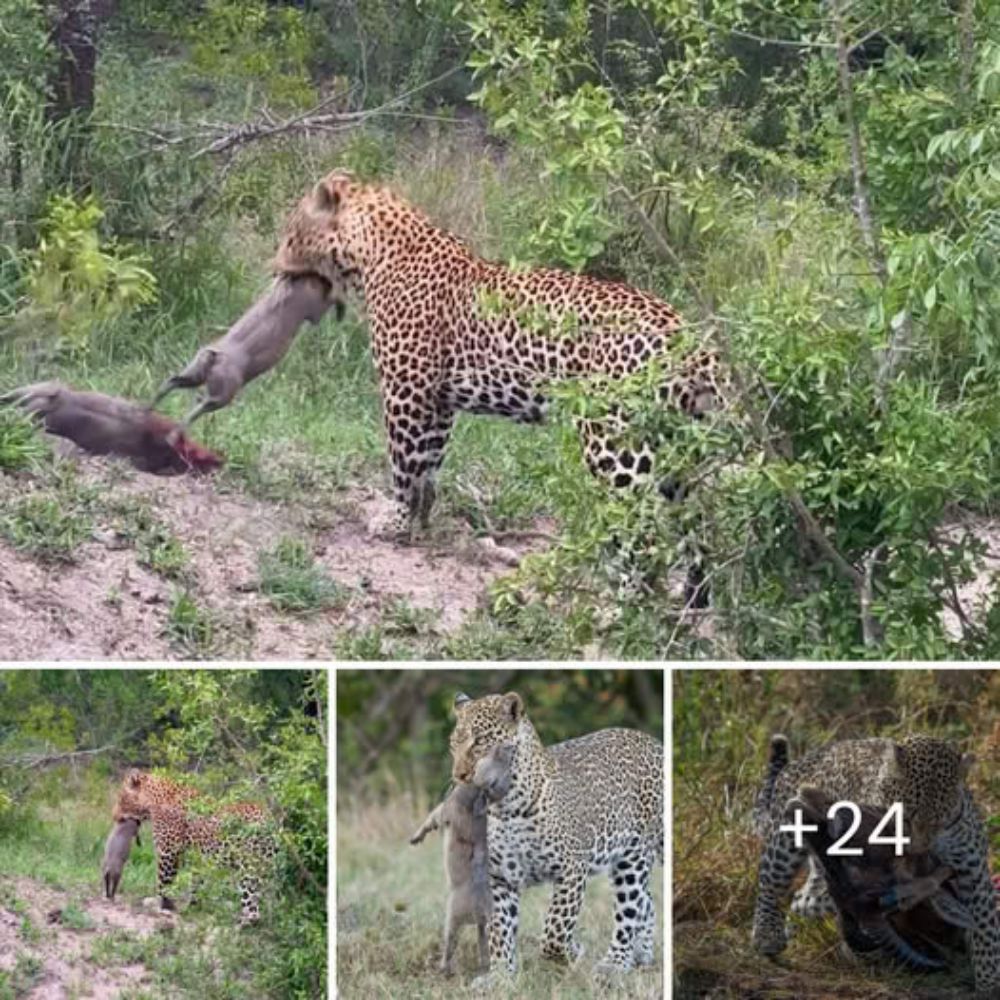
(390, 914)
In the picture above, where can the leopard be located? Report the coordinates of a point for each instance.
(453, 332)
(928, 776)
(237, 835)
(590, 805)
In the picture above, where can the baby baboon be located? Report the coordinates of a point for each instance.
(254, 344)
(466, 858)
(898, 905)
(116, 852)
(105, 425)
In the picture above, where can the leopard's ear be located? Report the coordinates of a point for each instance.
(326, 196)
(461, 700)
(896, 760)
(965, 765)
(134, 778)
(512, 706)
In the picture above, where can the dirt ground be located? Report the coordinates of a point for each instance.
(104, 605)
(63, 952)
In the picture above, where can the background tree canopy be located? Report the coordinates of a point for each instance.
(393, 725)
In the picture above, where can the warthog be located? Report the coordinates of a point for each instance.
(116, 852)
(896, 905)
(106, 425)
(466, 858)
(254, 344)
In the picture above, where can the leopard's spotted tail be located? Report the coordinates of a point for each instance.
(776, 763)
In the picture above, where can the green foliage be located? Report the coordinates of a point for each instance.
(20, 444)
(393, 725)
(26, 60)
(74, 282)
(189, 627)
(43, 527)
(271, 732)
(25, 53)
(256, 43)
(391, 47)
(732, 185)
(528, 87)
(293, 582)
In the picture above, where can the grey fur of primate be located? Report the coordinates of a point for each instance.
(116, 852)
(462, 816)
(254, 344)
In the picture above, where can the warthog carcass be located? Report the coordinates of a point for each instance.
(895, 905)
(106, 425)
(116, 852)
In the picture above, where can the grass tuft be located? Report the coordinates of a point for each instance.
(292, 581)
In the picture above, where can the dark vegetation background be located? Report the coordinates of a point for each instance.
(813, 184)
(723, 720)
(393, 767)
(66, 738)
(393, 725)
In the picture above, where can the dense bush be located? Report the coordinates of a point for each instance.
(864, 405)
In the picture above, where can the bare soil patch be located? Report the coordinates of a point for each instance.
(105, 605)
(63, 952)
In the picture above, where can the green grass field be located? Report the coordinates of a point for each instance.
(390, 915)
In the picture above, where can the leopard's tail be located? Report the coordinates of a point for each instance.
(777, 761)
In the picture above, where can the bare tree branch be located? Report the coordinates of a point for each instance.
(953, 600)
(217, 138)
(900, 337)
(966, 44)
(872, 633)
(30, 761)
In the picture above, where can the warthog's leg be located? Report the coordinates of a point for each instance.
(190, 378)
(433, 822)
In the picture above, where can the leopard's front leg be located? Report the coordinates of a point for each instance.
(167, 864)
(503, 923)
(564, 911)
(417, 427)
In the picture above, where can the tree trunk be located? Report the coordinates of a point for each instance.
(75, 28)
